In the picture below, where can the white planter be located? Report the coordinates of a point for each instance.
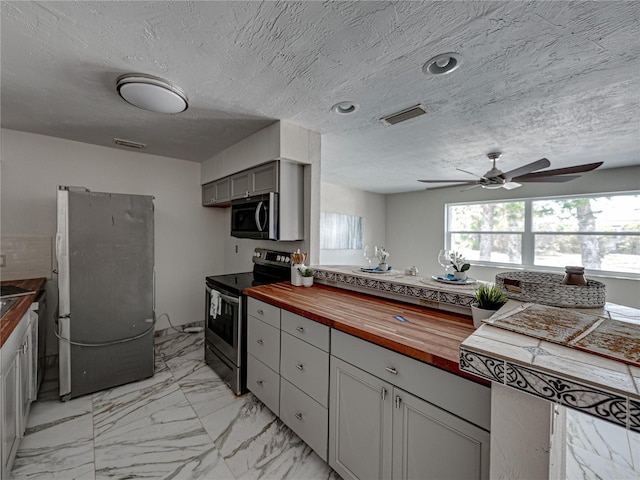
(460, 275)
(383, 267)
(307, 281)
(480, 314)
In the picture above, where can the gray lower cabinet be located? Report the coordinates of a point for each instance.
(400, 435)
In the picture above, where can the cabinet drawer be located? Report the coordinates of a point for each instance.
(464, 398)
(263, 342)
(306, 417)
(264, 311)
(305, 329)
(264, 383)
(306, 366)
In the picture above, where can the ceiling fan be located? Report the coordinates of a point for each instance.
(495, 178)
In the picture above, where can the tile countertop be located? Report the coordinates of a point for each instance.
(15, 314)
(571, 376)
(417, 289)
(428, 335)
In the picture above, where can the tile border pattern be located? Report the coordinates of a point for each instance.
(389, 286)
(612, 407)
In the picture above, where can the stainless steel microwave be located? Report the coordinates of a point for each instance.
(255, 217)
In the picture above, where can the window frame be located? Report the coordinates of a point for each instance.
(528, 235)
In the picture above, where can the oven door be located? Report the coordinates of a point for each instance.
(223, 327)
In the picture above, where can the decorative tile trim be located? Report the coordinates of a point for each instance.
(587, 399)
(482, 366)
(389, 286)
(634, 415)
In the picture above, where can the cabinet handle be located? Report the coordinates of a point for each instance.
(299, 366)
(384, 393)
(398, 401)
(391, 370)
(259, 382)
(298, 416)
(300, 329)
(259, 342)
(260, 312)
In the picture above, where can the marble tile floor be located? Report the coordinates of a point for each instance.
(183, 423)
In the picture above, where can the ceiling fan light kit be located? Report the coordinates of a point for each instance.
(151, 93)
(495, 178)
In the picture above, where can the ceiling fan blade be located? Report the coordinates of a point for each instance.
(472, 186)
(444, 181)
(587, 167)
(528, 168)
(470, 173)
(542, 178)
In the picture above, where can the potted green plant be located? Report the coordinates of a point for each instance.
(307, 276)
(460, 265)
(488, 299)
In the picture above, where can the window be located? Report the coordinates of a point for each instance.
(340, 232)
(601, 233)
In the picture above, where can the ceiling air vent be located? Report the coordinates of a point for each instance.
(404, 115)
(129, 144)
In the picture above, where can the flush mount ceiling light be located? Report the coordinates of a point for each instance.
(151, 93)
(345, 108)
(442, 64)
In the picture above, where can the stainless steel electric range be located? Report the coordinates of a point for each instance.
(226, 318)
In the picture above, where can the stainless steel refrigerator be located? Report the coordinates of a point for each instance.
(104, 248)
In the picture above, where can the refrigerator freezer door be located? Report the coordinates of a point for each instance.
(110, 290)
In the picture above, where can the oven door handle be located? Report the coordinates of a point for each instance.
(229, 299)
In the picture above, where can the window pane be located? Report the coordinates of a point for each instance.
(487, 217)
(614, 253)
(488, 247)
(601, 214)
(340, 232)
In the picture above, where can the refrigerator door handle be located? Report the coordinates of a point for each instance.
(64, 352)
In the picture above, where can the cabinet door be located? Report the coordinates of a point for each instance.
(360, 416)
(431, 443)
(222, 192)
(264, 179)
(9, 403)
(239, 185)
(208, 194)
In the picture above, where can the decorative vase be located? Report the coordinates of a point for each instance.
(383, 267)
(460, 275)
(480, 314)
(307, 281)
(296, 278)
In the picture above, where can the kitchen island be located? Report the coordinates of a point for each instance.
(361, 377)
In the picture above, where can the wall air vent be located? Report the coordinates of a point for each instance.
(404, 115)
(129, 144)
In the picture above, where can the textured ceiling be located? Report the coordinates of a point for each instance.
(554, 79)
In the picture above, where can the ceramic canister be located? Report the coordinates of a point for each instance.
(296, 278)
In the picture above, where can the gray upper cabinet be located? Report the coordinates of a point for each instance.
(217, 193)
(255, 181)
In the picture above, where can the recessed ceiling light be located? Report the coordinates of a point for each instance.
(151, 93)
(442, 64)
(345, 108)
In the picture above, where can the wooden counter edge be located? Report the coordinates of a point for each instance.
(15, 314)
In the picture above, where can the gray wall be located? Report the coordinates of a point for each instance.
(187, 236)
(415, 222)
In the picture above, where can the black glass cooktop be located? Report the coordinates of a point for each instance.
(233, 282)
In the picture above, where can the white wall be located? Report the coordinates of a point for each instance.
(415, 222)
(187, 236)
(350, 201)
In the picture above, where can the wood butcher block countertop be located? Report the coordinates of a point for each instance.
(15, 314)
(431, 336)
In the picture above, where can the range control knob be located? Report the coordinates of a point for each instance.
(287, 259)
